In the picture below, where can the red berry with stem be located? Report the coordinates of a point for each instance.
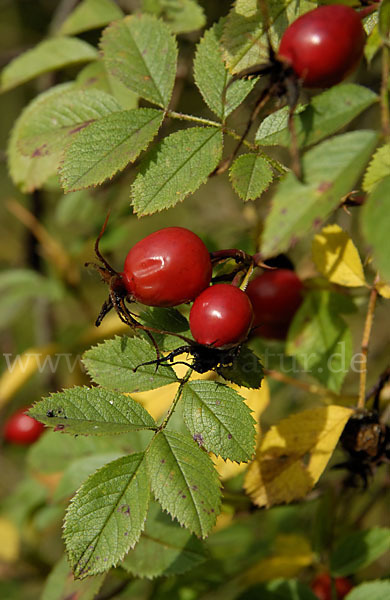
(275, 297)
(167, 268)
(322, 587)
(324, 45)
(22, 429)
(221, 316)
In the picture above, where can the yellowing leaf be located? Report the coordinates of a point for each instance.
(291, 554)
(257, 400)
(383, 289)
(337, 258)
(293, 454)
(9, 541)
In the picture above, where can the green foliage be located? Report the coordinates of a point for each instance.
(164, 548)
(90, 14)
(378, 168)
(358, 550)
(49, 55)
(321, 340)
(106, 516)
(373, 590)
(184, 481)
(375, 226)
(95, 411)
(330, 171)
(112, 365)
(60, 582)
(219, 420)
(128, 56)
(282, 589)
(327, 113)
(181, 16)
(182, 163)
(107, 146)
(251, 175)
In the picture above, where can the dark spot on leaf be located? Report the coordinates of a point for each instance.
(194, 487)
(59, 428)
(324, 186)
(126, 533)
(50, 413)
(81, 126)
(283, 211)
(197, 437)
(229, 436)
(124, 509)
(39, 151)
(163, 461)
(184, 496)
(317, 222)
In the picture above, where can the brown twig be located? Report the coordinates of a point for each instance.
(364, 347)
(384, 93)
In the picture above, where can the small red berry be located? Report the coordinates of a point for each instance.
(22, 429)
(324, 45)
(275, 297)
(322, 586)
(221, 316)
(167, 268)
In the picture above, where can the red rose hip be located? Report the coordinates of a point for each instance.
(324, 45)
(167, 268)
(22, 429)
(275, 297)
(221, 316)
(322, 587)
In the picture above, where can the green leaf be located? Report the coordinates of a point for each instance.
(55, 120)
(112, 365)
(320, 339)
(167, 319)
(106, 516)
(181, 16)
(279, 589)
(29, 173)
(184, 481)
(61, 584)
(375, 225)
(95, 411)
(141, 52)
(378, 169)
(183, 162)
(107, 146)
(219, 420)
(327, 113)
(373, 590)
(21, 286)
(79, 470)
(250, 175)
(49, 55)
(95, 76)
(245, 41)
(384, 21)
(164, 548)
(90, 14)
(330, 171)
(358, 550)
(212, 77)
(245, 371)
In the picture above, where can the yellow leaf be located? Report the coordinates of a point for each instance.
(293, 454)
(156, 401)
(291, 554)
(383, 289)
(257, 400)
(9, 541)
(337, 258)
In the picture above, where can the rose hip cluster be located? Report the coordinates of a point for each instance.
(173, 266)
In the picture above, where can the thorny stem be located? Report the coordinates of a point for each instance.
(385, 112)
(176, 399)
(365, 341)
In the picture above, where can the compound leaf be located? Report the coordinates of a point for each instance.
(112, 365)
(330, 172)
(90, 14)
(107, 146)
(141, 52)
(183, 162)
(250, 175)
(164, 548)
(280, 472)
(327, 113)
(95, 411)
(378, 169)
(212, 77)
(337, 258)
(184, 481)
(219, 420)
(49, 55)
(106, 516)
